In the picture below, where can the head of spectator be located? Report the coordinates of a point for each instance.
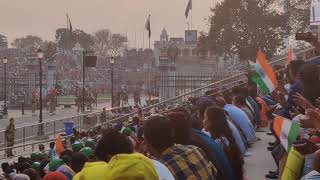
(156, 140)
(239, 101)
(51, 145)
(202, 108)
(36, 166)
(24, 166)
(21, 177)
(216, 123)
(32, 173)
(41, 147)
(87, 151)
(181, 160)
(6, 169)
(66, 159)
(77, 161)
(131, 167)
(221, 102)
(182, 127)
(310, 79)
(11, 121)
(293, 70)
(55, 176)
(112, 143)
(239, 91)
(42, 171)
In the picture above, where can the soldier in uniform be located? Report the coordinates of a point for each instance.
(103, 116)
(34, 102)
(79, 103)
(9, 135)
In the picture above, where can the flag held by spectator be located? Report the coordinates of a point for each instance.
(189, 7)
(263, 74)
(291, 56)
(148, 26)
(286, 130)
(58, 145)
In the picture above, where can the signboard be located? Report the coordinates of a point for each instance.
(90, 61)
(163, 58)
(315, 13)
(191, 36)
(304, 36)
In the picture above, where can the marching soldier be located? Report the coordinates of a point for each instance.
(9, 135)
(34, 102)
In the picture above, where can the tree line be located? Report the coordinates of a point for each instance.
(103, 42)
(241, 27)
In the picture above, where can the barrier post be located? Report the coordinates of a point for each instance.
(54, 128)
(24, 138)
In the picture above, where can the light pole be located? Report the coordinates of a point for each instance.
(5, 109)
(40, 58)
(112, 63)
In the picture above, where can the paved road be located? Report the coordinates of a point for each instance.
(261, 161)
(61, 112)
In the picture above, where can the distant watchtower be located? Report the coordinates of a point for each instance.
(164, 37)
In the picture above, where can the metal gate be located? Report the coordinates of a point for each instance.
(167, 86)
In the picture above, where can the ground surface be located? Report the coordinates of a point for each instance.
(261, 161)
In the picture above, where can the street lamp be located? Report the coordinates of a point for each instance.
(40, 57)
(112, 63)
(5, 109)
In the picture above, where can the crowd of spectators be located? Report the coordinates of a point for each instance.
(205, 137)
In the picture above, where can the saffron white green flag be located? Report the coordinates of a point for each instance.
(263, 74)
(286, 130)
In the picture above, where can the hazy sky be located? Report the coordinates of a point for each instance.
(42, 17)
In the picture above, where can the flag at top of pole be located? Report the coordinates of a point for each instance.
(263, 74)
(148, 26)
(69, 25)
(189, 7)
(291, 56)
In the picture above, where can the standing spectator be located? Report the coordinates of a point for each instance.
(103, 116)
(52, 151)
(184, 161)
(9, 135)
(34, 102)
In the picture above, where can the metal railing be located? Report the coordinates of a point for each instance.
(53, 127)
(58, 127)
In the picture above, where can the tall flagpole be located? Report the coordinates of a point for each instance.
(149, 64)
(191, 18)
(67, 21)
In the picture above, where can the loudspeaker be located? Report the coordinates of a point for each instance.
(90, 61)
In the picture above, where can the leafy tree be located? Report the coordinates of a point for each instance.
(67, 39)
(297, 13)
(49, 48)
(243, 26)
(3, 42)
(108, 44)
(83, 38)
(64, 38)
(28, 43)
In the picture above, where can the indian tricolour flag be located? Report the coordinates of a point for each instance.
(286, 130)
(263, 74)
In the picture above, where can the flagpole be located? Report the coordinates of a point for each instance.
(149, 64)
(67, 21)
(143, 40)
(191, 17)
